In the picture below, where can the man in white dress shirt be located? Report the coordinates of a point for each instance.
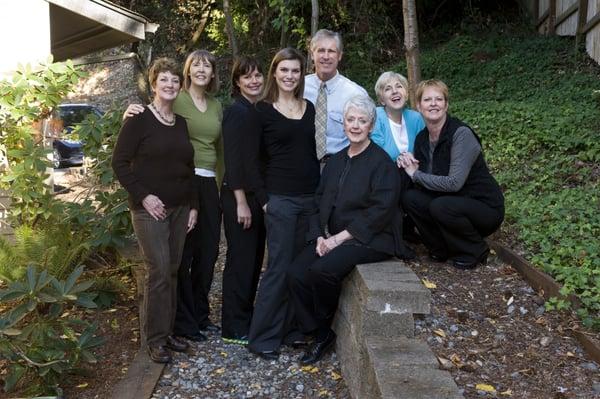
(326, 50)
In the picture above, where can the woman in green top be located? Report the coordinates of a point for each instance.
(203, 114)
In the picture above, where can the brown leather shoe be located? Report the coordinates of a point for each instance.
(159, 354)
(176, 344)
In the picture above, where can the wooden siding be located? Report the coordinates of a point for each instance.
(562, 17)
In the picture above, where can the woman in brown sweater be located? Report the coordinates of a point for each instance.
(154, 161)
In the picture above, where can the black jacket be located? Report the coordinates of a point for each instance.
(361, 194)
(480, 184)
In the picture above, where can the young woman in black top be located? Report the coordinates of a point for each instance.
(154, 161)
(358, 221)
(285, 177)
(242, 213)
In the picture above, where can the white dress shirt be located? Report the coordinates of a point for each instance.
(339, 89)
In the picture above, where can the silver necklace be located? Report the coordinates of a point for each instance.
(161, 116)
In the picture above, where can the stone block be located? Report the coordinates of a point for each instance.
(407, 368)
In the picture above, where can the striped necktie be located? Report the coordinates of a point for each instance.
(321, 122)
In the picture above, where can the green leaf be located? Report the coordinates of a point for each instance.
(15, 372)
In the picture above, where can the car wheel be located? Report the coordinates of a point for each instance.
(56, 159)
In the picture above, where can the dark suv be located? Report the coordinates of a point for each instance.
(70, 152)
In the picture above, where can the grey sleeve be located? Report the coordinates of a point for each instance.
(464, 152)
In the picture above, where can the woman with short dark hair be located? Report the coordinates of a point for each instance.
(242, 213)
(456, 201)
(154, 161)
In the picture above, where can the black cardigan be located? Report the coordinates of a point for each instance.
(361, 194)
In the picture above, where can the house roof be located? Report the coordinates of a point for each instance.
(80, 27)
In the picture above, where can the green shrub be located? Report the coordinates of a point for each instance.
(57, 249)
(41, 342)
(529, 98)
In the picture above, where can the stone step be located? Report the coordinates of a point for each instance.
(391, 287)
(405, 368)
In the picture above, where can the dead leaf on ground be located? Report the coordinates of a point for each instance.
(485, 388)
(429, 284)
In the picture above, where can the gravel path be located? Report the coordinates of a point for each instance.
(214, 369)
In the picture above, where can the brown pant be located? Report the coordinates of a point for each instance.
(161, 244)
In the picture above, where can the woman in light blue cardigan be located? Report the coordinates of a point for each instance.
(395, 130)
(396, 126)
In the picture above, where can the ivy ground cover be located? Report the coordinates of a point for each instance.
(532, 100)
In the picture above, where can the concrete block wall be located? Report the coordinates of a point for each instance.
(378, 354)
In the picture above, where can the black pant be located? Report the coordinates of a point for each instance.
(245, 252)
(452, 226)
(315, 282)
(198, 262)
(286, 221)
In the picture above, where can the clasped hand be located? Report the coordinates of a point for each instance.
(408, 162)
(325, 245)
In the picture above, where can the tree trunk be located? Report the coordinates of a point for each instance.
(230, 29)
(314, 26)
(411, 43)
(201, 25)
(283, 39)
(314, 20)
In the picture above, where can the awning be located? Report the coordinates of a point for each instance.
(80, 27)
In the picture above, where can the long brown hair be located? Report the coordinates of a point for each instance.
(271, 93)
(203, 55)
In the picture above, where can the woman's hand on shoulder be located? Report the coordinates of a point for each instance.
(192, 219)
(154, 206)
(133, 109)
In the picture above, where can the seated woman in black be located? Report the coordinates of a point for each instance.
(357, 222)
(456, 202)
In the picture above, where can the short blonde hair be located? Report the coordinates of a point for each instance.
(385, 79)
(438, 84)
(202, 55)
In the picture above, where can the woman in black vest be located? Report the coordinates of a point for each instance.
(456, 202)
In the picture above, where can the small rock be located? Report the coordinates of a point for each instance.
(510, 309)
(591, 366)
(538, 300)
(545, 341)
(445, 364)
(454, 328)
(516, 375)
(596, 387)
(540, 311)
(523, 310)
(300, 388)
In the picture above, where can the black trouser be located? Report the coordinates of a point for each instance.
(286, 221)
(198, 262)
(452, 226)
(245, 251)
(315, 282)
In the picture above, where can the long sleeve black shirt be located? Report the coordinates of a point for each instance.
(282, 152)
(235, 139)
